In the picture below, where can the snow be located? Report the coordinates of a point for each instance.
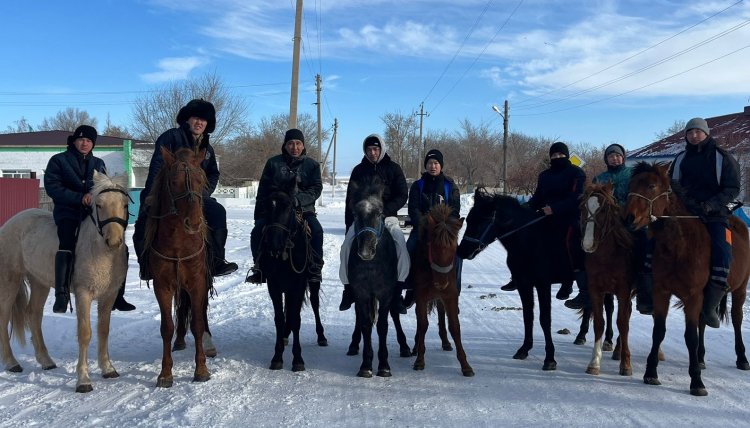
(244, 392)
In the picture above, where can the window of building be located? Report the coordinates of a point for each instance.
(15, 173)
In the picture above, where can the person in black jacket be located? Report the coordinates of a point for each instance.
(557, 195)
(68, 180)
(710, 177)
(281, 172)
(196, 120)
(376, 162)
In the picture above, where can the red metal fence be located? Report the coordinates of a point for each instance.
(16, 195)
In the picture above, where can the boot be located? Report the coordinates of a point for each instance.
(120, 303)
(712, 295)
(564, 292)
(221, 267)
(408, 300)
(510, 286)
(644, 301)
(63, 273)
(139, 236)
(255, 276)
(347, 299)
(582, 300)
(315, 269)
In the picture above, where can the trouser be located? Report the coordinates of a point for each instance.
(391, 223)
(66, 234)
(721, 251)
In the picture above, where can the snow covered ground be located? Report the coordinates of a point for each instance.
(244, 392)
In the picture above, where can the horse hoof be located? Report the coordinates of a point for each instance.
(84, 388)
(276, 365)
(178, 347)
(549, 365)
(521, 355)
(405, 353)
(616, 356)
(579, 341)
(365, 373)
(50, 367)
(702, 365)
(164, 382)
(468, 372)
(352, 351)
(607, 347)
(201, 378)
(323, 342)
(698, 392)
(384, 373)
(298, 367)
(418, 366)
(743, 365)
(414, 351)
(111, 375)
(593, 371)
(651, 381)
(16, 369)
(626, 372)
(447, 347)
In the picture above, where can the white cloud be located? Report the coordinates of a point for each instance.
(173, 69)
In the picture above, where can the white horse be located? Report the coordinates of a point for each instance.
(28, 242)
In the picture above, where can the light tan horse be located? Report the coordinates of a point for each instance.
(28, 243)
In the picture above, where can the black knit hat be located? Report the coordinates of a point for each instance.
(198, 108)
(83, 131)
(372, 140)
(434, 154)
(294, 134)
(559, 147)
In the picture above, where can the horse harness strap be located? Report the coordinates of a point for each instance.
(437, 268)
(101, 223)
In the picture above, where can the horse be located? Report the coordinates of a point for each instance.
(176, 254)
(681, 265)
(28, 242)
(433, 272)
(517, 227)
(403, 346)
(284, 254)
(372, 272)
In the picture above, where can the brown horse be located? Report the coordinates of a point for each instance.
(177, 256)
(433, 271)
(681, 264)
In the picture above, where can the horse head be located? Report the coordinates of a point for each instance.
(367, 207)
(110, 208)
(439, 231)
(280, 228)
(597, 200)
(182, 180)
(492, 217)
(649, 194)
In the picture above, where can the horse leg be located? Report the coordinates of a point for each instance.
(277, 362)
(35, 312)
(594, 367)
(294, 320)
(423, 323)
(403, 345)
(315, 303)
(661, 306)
(442, 331)
(738, 300)
(83, 308)
(384, 369)
(208, 343)
(356, 337)
(609, 308)
(545, 321)
(198, 327)
(12, 311)
(697, 387)
(182, 314)
(164, 298)
(526, 292)
(624, 310)
(104, 311)
(701, 346)
(584, 328)
(451, 308)
(363, 309)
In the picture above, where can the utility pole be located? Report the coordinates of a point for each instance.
(422, 143)
(504, 115)
(333, 176)
(320, 131)
(295, 66)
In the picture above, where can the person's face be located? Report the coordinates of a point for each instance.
(695, 136)
(615, 159)
(372, 153)
(294, 148)
(557, 155)
(83, 145)
(197, 125)
(433, 167)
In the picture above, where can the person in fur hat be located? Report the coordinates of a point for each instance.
(196, 120)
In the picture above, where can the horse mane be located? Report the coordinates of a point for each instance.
(103, 181)
(612, 212)
(445, 227)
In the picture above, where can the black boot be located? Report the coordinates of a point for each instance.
(510, 286)
(712, 295)
(582, 300)
(408, 301)
(564, 292)
(255, 276)
(315, 269)
(347, 299)
(120, 303)
(644, 301)
(221, 267)
(63, 273)
(139, 237)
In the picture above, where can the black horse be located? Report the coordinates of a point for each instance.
(372, 272)
(284, 256)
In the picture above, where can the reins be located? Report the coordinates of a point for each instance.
(651, 206)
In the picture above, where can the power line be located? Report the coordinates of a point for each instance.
(14, 93)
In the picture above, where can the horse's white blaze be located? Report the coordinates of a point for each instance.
(588, 235)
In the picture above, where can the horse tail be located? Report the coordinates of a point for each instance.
(373, 310)
(723, 316)
(19, 320)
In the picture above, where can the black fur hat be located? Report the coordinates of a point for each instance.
(83, 131)
(198, 108)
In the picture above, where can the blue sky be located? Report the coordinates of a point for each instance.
(592, 72)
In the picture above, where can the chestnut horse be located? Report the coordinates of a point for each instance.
(176, 252)
(433, 272)
(681, 264)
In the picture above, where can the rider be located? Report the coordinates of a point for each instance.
(376, 162)
(196, 120)
(68, 180)
(279, 172)
(433, 188)
(711, 178)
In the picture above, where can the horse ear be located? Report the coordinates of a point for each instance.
(663, 168)
(167, 155)
(199, 158)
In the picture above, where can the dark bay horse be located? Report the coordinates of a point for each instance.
(433, 272)
(372, 272)
(681, 265)
(176, 252)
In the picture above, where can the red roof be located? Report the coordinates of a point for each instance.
(58, 138)
(731, 132)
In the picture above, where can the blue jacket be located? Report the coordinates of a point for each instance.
(619, 176)
(67, 178)
(432, 192)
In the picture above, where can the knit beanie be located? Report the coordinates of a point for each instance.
(294, 134)
(83, 131)
(697, 123)
(434, 154)
(559, 147)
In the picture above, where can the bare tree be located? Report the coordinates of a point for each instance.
(677, 126)
(67, 120)
(112, 130)
(21, 125)
(401, 138)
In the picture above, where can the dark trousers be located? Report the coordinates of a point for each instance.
(66, 234)
(316, 230)
(721, 251)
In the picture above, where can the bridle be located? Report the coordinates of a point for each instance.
(291, 233)
(101, 223)
(189, 193)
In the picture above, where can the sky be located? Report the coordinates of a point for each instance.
(593, 72)
(243, 392)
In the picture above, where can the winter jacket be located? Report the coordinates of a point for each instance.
(281, 172)
(706, 196)
(619, 176)
(395, 191)
(175, 139)
(560, 187)
(432, 193)
(67, 178)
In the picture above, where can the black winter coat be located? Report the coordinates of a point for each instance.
(175, 139)
(67, 178)
(280, 173)
(395, 191)
(432, 193)
(560, 187)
